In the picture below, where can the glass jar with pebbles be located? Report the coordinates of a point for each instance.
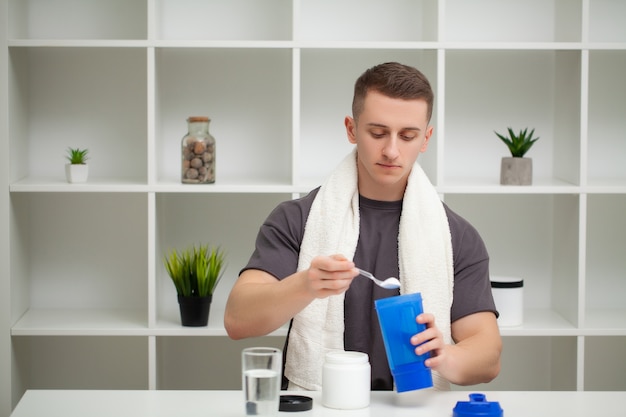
(198, 152)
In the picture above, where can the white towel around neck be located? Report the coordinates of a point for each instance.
(332, 227)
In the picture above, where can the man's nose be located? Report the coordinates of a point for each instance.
(390, 150)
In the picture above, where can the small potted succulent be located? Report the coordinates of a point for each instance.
(195, 273)
(77, 170)
(517, 169)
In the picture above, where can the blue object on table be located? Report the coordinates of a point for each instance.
(477, 406)
(396, 316)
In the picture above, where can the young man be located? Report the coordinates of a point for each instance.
(377, 210)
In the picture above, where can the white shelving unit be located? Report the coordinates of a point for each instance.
(90, 303)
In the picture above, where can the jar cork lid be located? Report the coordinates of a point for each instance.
(192, 119)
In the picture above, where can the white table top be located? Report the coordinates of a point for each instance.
(427, 403)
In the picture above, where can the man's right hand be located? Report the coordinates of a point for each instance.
(259, 303)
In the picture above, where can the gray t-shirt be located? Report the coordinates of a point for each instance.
(278, 247)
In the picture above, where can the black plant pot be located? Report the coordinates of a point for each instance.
(194, 311)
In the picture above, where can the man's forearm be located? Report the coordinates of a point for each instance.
(470, 365)
(258, 305)
(475, 358)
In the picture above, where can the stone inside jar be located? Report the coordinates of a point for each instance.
(198, 161)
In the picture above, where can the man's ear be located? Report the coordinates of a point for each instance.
(350, 128)
(429, 133)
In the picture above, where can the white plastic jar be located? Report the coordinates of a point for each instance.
(508, 294)
(346, 380)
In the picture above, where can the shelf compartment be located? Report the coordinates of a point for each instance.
(68, 362)
(201, 363)
(394, 20)
(498, 21)
(247, 93)
(527, 88)
(604, 22)
(605, 321)
(81, 322)
(78, 97)
(71, 19)
(605, 261)
(227, 220)
(535, 238)
(66, 251)
(328, 77)
(541, 322)
(605, 367)
(219, 20)
(534, 363)
(607, 106)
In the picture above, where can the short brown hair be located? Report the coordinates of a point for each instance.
(394, 80)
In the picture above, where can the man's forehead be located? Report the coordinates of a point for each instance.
(384, 110)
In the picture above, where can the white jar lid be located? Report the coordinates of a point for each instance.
(346, 357)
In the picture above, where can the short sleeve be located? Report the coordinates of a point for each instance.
(472, 288)
(277, 245)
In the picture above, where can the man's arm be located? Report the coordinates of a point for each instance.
(259, 303)
(475, 356)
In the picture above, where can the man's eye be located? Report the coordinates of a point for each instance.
(377, 134)
(407, 137)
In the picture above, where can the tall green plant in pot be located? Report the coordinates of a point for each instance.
(195, 272)
(516, 169)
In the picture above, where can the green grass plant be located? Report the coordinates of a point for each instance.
(195, 271)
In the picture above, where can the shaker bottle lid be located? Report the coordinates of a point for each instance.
(295, 403)
(477, 406)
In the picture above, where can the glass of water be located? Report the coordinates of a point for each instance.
(261, 375)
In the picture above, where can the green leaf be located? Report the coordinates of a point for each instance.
(77, 156)
(520, 143)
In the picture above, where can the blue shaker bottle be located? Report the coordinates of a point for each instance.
(396, 316)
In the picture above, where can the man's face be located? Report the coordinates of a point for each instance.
(390, 134)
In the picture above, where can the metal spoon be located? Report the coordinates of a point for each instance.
(390, 283)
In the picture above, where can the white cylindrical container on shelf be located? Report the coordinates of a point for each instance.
(508, 294)
(346, 380)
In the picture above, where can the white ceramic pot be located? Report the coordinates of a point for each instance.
(76, 173)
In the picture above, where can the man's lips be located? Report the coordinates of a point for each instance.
(384, 165)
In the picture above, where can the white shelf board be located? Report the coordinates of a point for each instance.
(541, 322)
(506, 45)
(142, 43)
(38, 185)
(606, 186)
(492, 186)
(224, 186)
(59, 184)
(114, 322)
(599, 46)
(80, 43)
(169, 324)
(81, 322)
(312, 44)
(609, 322)
(455, 186)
